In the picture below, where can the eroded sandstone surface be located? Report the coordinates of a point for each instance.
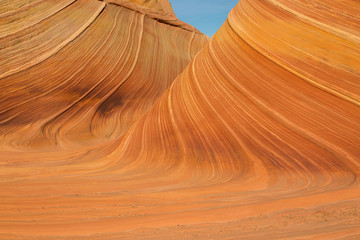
(115, 125)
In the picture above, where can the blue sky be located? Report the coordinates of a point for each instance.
(205, 15)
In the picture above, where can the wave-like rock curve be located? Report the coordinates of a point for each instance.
(257, 138)
(83, 71)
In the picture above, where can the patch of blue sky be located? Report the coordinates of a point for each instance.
(205, 15)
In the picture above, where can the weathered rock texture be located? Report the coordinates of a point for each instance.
(79, 72)
(258, 138)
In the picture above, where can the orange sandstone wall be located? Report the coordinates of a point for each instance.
(258, 138)
(81, 72)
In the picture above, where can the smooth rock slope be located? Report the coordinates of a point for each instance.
(79, 72)
(258, 138)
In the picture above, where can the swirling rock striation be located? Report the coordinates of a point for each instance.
(84, 71)
(257, 138)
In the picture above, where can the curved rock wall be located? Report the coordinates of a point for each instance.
(258, 138)
(81, 72)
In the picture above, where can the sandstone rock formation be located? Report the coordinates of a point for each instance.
(84, 71)
(258, 138)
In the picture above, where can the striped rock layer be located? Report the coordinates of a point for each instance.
(258, 138)
(77, 73)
